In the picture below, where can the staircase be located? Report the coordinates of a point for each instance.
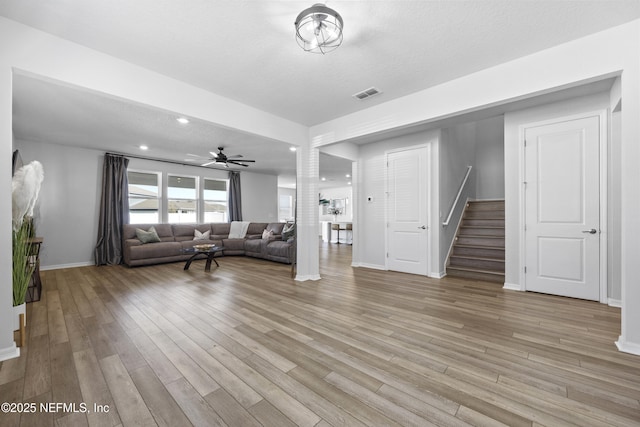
(478, 248)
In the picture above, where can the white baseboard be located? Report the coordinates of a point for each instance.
(10, 352)
(437, 275)
(301, 278)
(372, 266)
(614, 302)
(59, 266)
(628, 347)
(511, 287)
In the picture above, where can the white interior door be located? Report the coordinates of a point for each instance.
(562, 214)
(407, 202)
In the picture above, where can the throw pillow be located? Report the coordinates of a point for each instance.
(288, 232)
(267, 234)
(197, 235)
(150, 236)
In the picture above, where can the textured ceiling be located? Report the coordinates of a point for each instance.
(246, 51)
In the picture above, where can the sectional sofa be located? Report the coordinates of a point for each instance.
(174, 238)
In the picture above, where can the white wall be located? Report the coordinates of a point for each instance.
(513, 173)
(489, 161)
(69, 202)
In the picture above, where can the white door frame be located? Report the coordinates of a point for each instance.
(428, 201)
(603, 152)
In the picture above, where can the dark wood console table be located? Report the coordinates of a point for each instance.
(34, 290)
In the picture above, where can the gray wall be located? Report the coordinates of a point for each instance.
(489, 161)
(67, 212)
(259, 197)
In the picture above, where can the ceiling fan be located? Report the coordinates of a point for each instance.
(222, 159)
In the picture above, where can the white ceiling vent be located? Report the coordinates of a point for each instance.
(367, 93)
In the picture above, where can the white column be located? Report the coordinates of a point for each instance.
(629, 340)
(8, 348)
(307, 221)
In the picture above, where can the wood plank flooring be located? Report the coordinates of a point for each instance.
(245, 345)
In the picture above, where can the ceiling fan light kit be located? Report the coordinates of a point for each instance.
(319, 29)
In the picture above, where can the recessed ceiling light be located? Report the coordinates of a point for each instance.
(144, 147)
(349, 183)
(323, 179)
(183, 120)
(347, 176)
(292, 148)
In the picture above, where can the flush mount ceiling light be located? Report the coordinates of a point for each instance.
(319, 29)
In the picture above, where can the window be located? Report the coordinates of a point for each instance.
(285, 208)
(144, 197)
(180, 203)
(215, 200)
(182, 199)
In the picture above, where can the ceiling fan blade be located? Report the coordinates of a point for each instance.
(208, 163)
(215, 155)
(238, 164)
(241, 160)
(235, 156)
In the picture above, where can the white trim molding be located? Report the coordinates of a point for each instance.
(10, 352)
(300, 278)
(371, 266)
(61, 266)
(615, 302)
(512, 287)
(627, 347)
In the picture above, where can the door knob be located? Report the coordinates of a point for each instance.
(592, 231)
(423, 227)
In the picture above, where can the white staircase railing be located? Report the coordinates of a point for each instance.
(457, 199)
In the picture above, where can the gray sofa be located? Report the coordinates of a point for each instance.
(174, 238)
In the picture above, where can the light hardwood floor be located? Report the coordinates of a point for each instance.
(245, 345)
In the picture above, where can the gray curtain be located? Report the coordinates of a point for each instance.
(114, 210)
(235, 200)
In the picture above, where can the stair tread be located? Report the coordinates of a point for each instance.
(476, 270)
(463, 245)
(478, 258)
(487, 236)
(482, 226)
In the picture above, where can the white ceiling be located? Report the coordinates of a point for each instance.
(246, 51)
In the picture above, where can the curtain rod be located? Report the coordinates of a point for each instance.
(175, 162)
